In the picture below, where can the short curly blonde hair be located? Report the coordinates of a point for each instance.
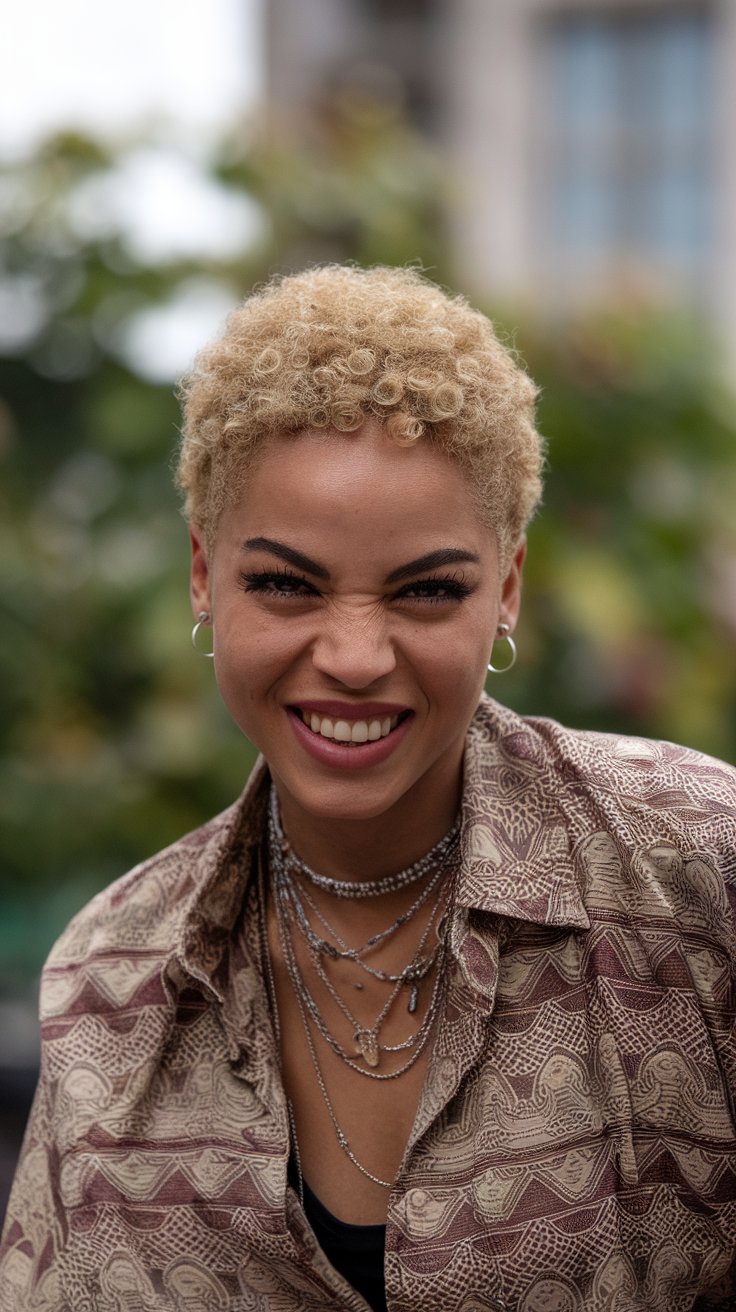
(330, 346)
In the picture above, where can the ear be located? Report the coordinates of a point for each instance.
(199, 586)
(511, 588)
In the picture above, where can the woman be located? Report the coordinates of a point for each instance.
(438, 1016)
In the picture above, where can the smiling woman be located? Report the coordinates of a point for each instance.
(374, 1035)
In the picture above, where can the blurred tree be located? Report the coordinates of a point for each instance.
(109, 745)
(629, 621)
(359, 184)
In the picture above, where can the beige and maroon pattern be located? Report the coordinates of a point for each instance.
(574, 1149)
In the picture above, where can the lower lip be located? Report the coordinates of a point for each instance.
(341, 757)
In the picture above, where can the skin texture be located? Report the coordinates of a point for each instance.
(360, 508)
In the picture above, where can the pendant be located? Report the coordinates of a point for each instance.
(413, 1000)
(366, 1046)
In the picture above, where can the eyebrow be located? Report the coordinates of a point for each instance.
(433, 560)
(288, 554)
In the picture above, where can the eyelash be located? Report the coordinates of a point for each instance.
(267, 581)
(453, 587)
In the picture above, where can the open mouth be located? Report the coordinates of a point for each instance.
(350, 733)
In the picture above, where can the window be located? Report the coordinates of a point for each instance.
(627, 163)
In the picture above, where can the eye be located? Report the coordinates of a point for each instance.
(436, 590)
(278, 583)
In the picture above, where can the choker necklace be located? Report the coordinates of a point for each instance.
(361, 888)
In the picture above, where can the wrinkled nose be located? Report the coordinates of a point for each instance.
(354, 647)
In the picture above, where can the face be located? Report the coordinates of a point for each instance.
(354, 595)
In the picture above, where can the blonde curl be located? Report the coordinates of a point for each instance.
(268, 361)
(447, 401)
(333, 345)
(346, 417)
(423, 380)
(388, 390)
(404, 430)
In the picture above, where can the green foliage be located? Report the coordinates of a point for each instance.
(358, 185)
(629, 619)
(113, 737)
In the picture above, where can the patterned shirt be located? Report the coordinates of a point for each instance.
(574, 1146)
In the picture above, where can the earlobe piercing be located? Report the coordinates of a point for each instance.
(504, 631)
(202, 619)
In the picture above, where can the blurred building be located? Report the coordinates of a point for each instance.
(593, 142)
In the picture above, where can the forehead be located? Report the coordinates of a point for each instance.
(329, 483)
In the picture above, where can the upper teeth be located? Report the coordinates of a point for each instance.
(356, 731)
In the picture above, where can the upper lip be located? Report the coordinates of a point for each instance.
(351, 710)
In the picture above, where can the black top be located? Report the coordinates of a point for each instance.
(356, 1251)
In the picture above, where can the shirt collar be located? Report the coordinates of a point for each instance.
(516, 840)
(515, 843)
(221, 877)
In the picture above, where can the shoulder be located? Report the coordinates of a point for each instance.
(639, 767)
(642, 791)
(120, 940)
(149, 901)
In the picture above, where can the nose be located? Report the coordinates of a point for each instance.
(354, 646)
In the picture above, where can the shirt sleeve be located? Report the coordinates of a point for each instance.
(33, 1232)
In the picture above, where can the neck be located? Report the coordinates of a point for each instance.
(371, 848)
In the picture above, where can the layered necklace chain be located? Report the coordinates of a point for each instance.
(290, 878)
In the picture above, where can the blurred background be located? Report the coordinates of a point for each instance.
(571, 167)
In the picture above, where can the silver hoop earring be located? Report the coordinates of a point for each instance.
(203, 618)
(503, 632)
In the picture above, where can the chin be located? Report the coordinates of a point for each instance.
(344, 798)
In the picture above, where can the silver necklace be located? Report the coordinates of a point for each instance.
(289, 911)
(342, 1140)
(385, 1184)
(411, 974)
(361, 888)
(365, 1040)
(281, 856)
(271, 992)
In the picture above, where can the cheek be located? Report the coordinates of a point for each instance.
(451, 658)
(252, 652)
